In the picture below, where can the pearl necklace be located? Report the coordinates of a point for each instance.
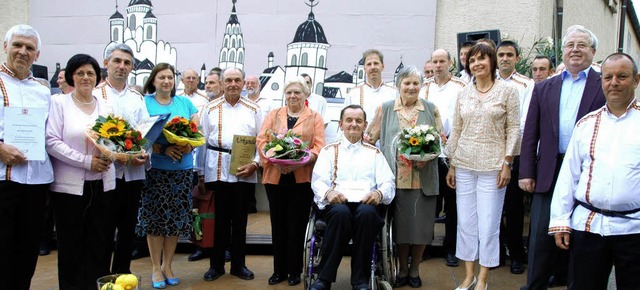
(73, 95)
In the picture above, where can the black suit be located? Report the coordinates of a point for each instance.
(539, 159)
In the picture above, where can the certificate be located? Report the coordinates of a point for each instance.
(354, 191)
(243, 151)
(24, 129)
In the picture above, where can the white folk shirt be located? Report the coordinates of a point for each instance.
(356, 162)
(319, 104)
(525, 90)
(602, 168)
(444, 97)
(220, 121)
(198, 99)
(370, 98)
(128, 104)
(26, 93)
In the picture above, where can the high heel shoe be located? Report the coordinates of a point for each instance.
(471, 286)
(158, 285)
(171, 281)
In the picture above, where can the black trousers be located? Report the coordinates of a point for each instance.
(592, 256)
(124, 208)
(450, 208)
(232, 205)
(81, 223)
(512, 223)
(21, 222)
(356, 221)
(545, 258)
(47, 231)
(289, 206)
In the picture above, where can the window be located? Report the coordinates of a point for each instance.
(145, 79)
(240, 57)
(149, 32)
(239, 42)
(233, 43)
(226, 42)
(232, 56)
(304, 59)
(223, 58)
(116, 33)
(275, 86)
(294, 60)
(360, 74)
(132, 22)
(321, 61)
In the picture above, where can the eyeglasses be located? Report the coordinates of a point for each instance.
(190, 78)
(81, 74)
(579, 45)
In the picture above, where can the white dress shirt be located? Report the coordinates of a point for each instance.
(130, 105)
(356, 162)
(524, 85)
(220, 122)
(198, 99)
(319, 104)
(370, 98)
(444, 97)
(602, 168)
(26, 93)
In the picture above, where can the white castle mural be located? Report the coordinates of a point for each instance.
(139, 30)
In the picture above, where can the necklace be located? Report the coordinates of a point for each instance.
(292, 118)
(73, 95)
(484, 92)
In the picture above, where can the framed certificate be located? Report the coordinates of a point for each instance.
(243, 151)
(24, 128)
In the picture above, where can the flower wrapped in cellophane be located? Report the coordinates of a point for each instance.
(116, 139)
(419, 143)
(286, 149)
(181, 131)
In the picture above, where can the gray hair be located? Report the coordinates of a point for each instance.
(23, 30)
(224, 71)
(408, 71)
(298, 80)
(118, 46)
(580, 29)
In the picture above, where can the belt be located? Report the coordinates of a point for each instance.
(610, 213)
(214, 148)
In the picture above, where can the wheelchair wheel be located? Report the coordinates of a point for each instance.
(312, 249)
(384, 285)
(389, 254)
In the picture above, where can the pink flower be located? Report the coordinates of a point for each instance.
(297, 141)
(280, 136)
(270, 153)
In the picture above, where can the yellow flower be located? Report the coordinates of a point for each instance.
(111, 129)
(414, 141)
(184, 121)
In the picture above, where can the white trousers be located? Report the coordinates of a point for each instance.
(479, 204)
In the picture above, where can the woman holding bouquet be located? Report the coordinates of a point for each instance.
(81, 192)
(165, 210)
(289, 186)
(483, 141)
(416, 181)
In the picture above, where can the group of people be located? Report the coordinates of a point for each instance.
(566, 138)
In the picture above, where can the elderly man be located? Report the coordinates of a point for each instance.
(190, 81)
(428, 69)
(374, 91)
(222, 119)
(350, 164)
(213, 85)
(541, 68)
(24, 182)
(252, 86)
(508, 54)
(442, 90)
(595, 210)
(556, 104)
(126, 103)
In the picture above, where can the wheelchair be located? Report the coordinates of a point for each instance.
(384, 258)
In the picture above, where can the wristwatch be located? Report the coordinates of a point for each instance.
(507, 163)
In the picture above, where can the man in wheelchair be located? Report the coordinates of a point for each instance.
(350, 179)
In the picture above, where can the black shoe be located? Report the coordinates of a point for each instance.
(139, 252)
(276, 279)
(242, 273)
(451, 260)
(516, 267)
(213, 274)
(414, 282)
(199, 254)
(400, 282)
(362, 287)
(320, 285)
(44, 249)
(557, 281)
(227, 256)
(293, 280)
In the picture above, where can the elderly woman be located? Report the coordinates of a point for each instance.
(289, 187)
(483, 141)
(165, 209)
(81, 192)
(416, 182)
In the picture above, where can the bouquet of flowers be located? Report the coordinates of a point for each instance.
(181, 131)
(286, 149)
(116, 139)
(419, 143)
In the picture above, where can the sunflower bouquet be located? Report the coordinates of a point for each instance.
(286, 148)
(116, 138)
(181, 131)
(419, 143)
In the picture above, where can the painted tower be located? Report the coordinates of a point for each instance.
(232, 52)
(308, 52)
